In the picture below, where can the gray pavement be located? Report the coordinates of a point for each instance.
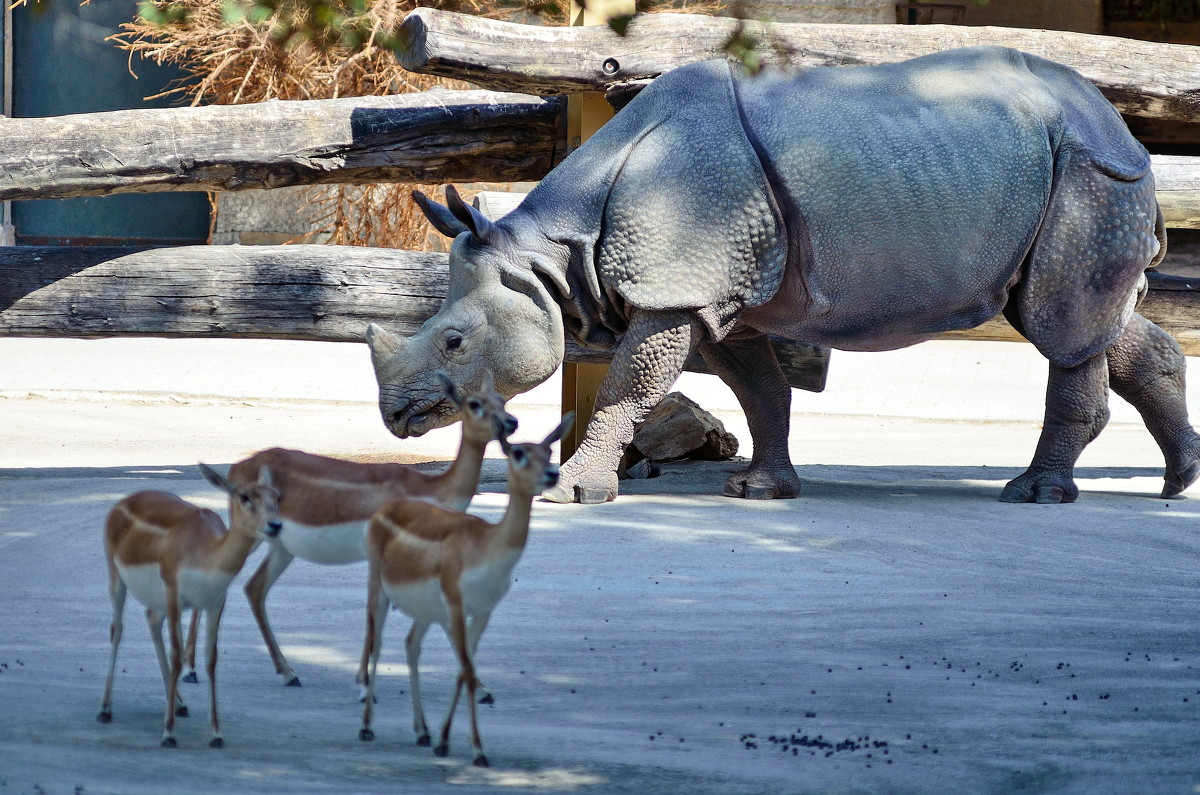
(896, 629)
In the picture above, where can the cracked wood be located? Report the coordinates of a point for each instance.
(327, 293)
(432, 136)
(1141, 78)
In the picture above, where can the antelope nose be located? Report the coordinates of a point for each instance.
(510, 425)
(274, 528)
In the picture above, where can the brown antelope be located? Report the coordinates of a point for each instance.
(326, 502)
(450, 568)
(176, 556)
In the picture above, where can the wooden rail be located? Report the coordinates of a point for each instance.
(1141, 78)
(431, 136)
(325, 293)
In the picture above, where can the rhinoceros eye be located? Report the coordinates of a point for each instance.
(453, 342)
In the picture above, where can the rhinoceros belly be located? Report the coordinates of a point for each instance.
(911, 195)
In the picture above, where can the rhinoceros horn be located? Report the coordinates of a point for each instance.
(384, 345)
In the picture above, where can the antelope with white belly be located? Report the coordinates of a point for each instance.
(449, 568)
(175, 556)
(326, 502)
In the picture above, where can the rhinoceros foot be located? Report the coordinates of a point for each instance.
(588, 489)
(760, 483)
(1046, 488)
(1180, 475)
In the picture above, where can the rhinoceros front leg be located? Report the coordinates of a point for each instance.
(1076, 411)
(1147, 368)
(749, 367)
(646, 363)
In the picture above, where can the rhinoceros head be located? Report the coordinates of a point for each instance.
(499, 316)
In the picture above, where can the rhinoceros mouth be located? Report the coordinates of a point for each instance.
(419, 416)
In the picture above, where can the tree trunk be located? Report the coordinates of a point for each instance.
(325, 293)
(432, 136)
(1141, 78)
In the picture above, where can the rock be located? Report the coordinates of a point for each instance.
(642, 470)
(678, 428)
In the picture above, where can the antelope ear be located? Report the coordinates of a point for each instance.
(567, 421)
(472, 219)
(383, 343)
(216, 479)
(439, 215)
(449, 390)
(489, 384)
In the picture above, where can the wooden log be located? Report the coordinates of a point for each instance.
(405, 138)
(1141, 78)
(1177, 188)
(1173, 302)
(331, 293)
(432, 136)
(325, 293)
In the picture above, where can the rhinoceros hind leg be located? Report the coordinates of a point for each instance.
(761, 484)
(1146, 368)
(1076, 412)
(749, 367)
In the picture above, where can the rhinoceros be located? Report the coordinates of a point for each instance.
(862, 208)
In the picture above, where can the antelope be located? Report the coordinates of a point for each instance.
(176, 556)
(326, 502)
(450, 568)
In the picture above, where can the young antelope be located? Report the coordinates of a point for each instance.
(175, 556)
(450, 568)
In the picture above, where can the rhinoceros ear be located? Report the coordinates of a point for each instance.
(383, 343)
(474, 220)
(440, 216)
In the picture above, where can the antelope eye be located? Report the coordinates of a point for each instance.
(245, 499)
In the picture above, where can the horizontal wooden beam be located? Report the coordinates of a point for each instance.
(1177, 188)
(1141, 78)
(434, 136)
(1172, 302)
(327, 293)
(331, 293)
(431, 136)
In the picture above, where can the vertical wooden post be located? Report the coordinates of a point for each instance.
(586, 113)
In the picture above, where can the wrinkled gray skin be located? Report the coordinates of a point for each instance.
(863, 208)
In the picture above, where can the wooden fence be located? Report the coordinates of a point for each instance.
(487, 134)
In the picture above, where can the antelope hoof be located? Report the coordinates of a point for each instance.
(216, 742)
(486, 698)
(191, 678)
(480, 761)
(366, 735)
(424, 741)
(293, 682)
(181, 711)
(105, 716)
(441, 750)
(168, 742)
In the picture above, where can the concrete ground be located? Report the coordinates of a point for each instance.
(896, 629)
